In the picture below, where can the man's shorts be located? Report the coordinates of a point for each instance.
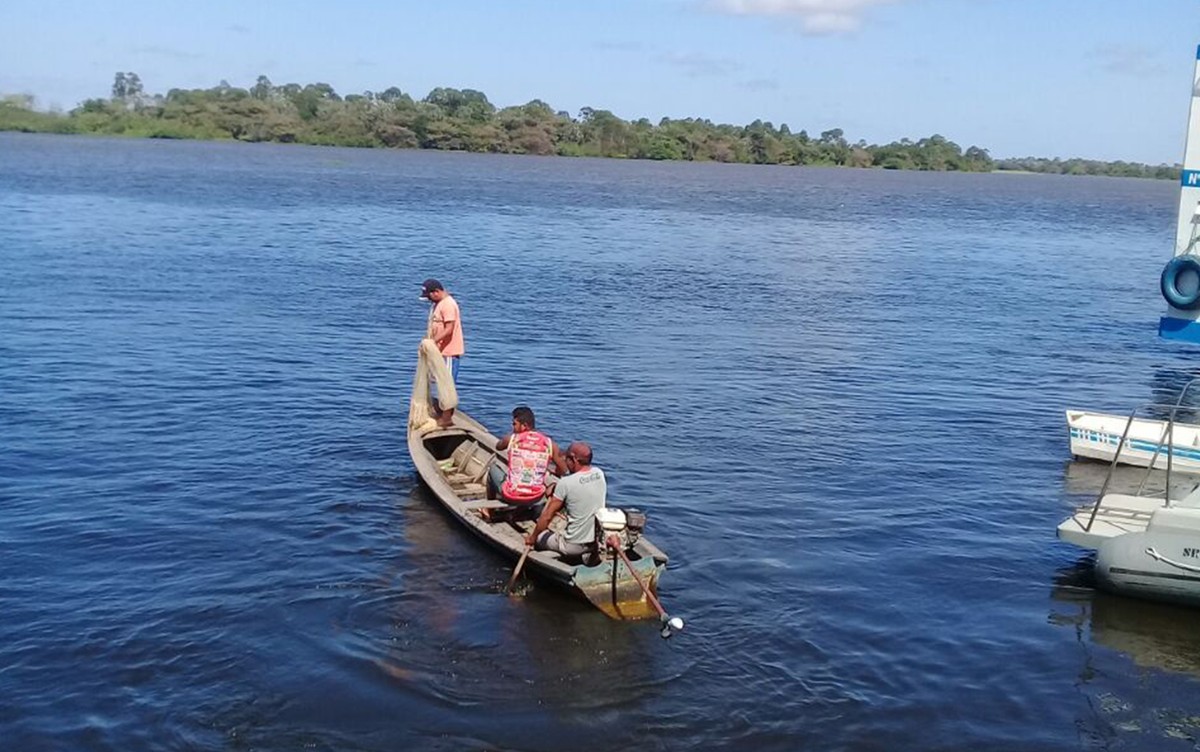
(549, 541)
(452, 364)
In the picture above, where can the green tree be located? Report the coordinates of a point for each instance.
(120, 88)
(262, 89)
(467, 104)
(464, 119)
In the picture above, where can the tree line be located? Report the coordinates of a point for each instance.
(465, 120)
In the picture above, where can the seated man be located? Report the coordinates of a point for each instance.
(582, 493)
(529, 456)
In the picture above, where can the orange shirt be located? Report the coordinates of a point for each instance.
(446, 312)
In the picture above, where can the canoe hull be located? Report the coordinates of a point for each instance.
(613, 591)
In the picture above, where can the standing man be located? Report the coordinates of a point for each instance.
(445, 329)
(582, 492)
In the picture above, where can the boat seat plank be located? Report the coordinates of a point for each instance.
(484, 504)
(439, 432)
(470, 491)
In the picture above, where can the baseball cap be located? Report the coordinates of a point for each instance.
(430, 285)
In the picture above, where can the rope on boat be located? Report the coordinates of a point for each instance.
(431, 368)
(1159, 557)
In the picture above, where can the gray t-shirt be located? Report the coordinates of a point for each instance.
(583, 495)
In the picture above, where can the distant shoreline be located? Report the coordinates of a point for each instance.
(464, 120)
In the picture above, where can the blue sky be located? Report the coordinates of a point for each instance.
(1106, 79)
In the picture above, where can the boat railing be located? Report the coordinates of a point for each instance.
(1179, 403)
(1167, 438)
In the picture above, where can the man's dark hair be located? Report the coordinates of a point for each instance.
(524, 415)
(584, 456)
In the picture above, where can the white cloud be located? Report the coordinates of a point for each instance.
(817, 16)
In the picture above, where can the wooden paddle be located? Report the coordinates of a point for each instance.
(517, 570)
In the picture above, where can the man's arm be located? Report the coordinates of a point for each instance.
(442, 331)
(558, 459)
(543, 522)
(502, 444)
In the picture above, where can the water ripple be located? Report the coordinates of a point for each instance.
(838, 395)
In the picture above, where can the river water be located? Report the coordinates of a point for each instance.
(837, 393)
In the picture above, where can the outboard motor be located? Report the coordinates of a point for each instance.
(627, 525)
(610, 522)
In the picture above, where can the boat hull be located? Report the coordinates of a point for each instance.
(1096, 436)
(614, 591)
(1162, 566)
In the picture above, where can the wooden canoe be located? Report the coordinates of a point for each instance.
(453, 463)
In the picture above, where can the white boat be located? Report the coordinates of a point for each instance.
(1148, 545)
(1145, 546)
(1096, 436)
(1147, 542)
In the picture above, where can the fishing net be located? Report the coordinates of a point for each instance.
(431, 367)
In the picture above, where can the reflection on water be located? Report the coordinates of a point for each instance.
(1083, 480)
(212, 538)
(569, 655)
(1155, 638)
(1152, 635)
